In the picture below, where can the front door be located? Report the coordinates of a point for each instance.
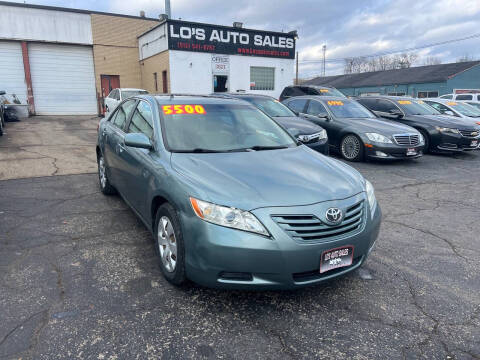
(220, 83)
(108, 83)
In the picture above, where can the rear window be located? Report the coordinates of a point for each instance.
(201, 127)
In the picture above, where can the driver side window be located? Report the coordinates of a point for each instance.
(315, 108)
(440, 107)
(385, 106)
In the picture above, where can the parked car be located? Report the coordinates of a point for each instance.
(462, 97)
(441, 133)
(2, 114)
(302, 90)
(455, 108)
(312, 135)
(474, 104)
(356, 132)
(230, 197)
(116, 96)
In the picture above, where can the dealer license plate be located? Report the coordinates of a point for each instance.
(411, 152)
(474, 143)
(336, 258)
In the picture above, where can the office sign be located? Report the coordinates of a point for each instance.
(220, 64)
(198, 37)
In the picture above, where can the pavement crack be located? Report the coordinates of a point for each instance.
(12, 331)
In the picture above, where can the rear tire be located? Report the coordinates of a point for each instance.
(169, 244)
(105, 186)
(351, 148)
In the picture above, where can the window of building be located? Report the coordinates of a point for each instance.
(427, 94)
(396, 94)
(262, 78)
(164, 82)
(155, 81)
(142, 120)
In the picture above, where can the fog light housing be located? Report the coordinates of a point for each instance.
(235, 276)
(380, 153)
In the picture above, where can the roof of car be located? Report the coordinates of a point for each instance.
(386, 97)
(130, 89)
(439, 100)
(319, 97)
(191, 99)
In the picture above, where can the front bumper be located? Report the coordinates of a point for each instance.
(456, 143)
(392, 151)
(320, 146)
(278, 262)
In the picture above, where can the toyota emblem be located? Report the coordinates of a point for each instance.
(334, 215)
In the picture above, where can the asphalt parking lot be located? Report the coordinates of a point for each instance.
(79, 277)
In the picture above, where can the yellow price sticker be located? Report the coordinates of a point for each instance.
(451, 103)
(323, 90)
(420, 102)
(404, 102)
(335, 103)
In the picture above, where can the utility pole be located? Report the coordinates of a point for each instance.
(296, 76)
(324, 49)
(168, 10)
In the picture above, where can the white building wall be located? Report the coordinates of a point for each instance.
(191, 72)
(153, 42)
(44, 25)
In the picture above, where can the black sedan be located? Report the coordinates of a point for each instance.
(312, 135)
(356, 132)
(441, 133)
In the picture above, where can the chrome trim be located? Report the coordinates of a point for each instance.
(408, 139)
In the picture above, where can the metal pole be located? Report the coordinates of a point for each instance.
(324, 48)
(296, 76)
(167, 9)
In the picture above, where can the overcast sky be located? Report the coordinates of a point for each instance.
(348, 28)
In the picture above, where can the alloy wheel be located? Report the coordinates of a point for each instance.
(350, 147)
(101, 172)
(167, 244)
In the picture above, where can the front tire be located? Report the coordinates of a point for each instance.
(105, 186)
(351, 148)
(169, 244)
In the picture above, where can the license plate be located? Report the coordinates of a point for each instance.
(474, 143)
(336, 258)
(411, 152)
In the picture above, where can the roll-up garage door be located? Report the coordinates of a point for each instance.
(63, 79)
(12, 76)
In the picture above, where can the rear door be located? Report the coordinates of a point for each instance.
(138, 164)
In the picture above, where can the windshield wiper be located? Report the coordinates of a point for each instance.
(260, 147)
(198, 150)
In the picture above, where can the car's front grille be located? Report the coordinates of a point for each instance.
(309, 228)
(407, 139)
(468, 133)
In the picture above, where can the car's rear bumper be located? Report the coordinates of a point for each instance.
(226, 258)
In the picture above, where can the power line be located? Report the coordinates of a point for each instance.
(393, 51)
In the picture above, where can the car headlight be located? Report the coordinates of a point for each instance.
(306, 138)
(447, 130)
(378, 138)
(421, 139)
(228, 216)
(372, 201)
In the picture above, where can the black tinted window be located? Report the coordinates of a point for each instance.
(369, 103)
(122, 113)
(315, 108)
(384, 106)
(142, 120)
(287, 92)
(464, 97)
(297, 105)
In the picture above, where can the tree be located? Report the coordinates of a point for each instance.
(356, 65)
(432, 60)
(465, 58)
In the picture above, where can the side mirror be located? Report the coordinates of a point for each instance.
(2, 92)
(449, 112)
(395, 113)
(138, 140)
(323, 115)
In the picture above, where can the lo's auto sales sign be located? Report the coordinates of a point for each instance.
(197, 37)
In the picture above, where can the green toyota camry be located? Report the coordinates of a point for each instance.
(232, 200)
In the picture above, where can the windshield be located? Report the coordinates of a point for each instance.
(328, 92)
(348, 109)
(128, 93)
(221, 128)
(431, 110)
(416, 107)
(271, 107)
(464, 109)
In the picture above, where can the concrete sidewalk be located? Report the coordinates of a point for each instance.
(48, 145)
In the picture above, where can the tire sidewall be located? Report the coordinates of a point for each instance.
(108, 189)
(177, 276)
(360, 154)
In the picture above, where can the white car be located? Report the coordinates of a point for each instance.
(455, 108)
(462, 97)
(116, 96)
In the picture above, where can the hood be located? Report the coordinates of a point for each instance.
(298, 126)
(382, 126)
(444, 121)
(285, 177)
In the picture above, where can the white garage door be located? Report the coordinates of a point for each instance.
(63, 79)
(12, 76)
